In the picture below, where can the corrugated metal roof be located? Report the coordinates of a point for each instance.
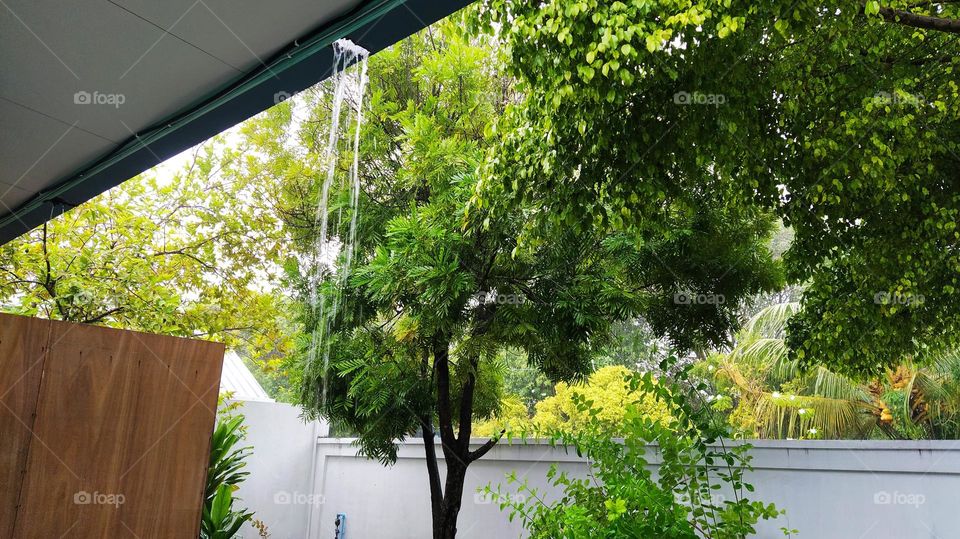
(238, 380)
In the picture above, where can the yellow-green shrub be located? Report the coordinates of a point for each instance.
(606, 388)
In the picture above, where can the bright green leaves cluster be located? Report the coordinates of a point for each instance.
(188, 252)
(610, 135)
(419, 263)
(622, 497)
(606, 388)
(580, 66)
(873, 191)
(842, 122)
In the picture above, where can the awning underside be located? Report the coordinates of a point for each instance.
(94, 92)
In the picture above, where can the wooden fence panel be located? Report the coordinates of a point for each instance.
(23, 344)
(121, 435)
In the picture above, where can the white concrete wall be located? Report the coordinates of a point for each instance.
(830, 489)
(394, 503)
(281, 468)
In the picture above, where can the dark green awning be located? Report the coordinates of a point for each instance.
(94, 92)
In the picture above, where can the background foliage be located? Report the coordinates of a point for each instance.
(195, 253)
(841, 117)
(699, 490)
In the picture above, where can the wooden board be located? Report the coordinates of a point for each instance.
(23, 345)
(121, 435)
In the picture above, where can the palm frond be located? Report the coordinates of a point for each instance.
(763, 351)
(771, 322)
(795, 416)
(829, 384)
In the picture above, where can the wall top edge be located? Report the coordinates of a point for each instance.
(845, 445)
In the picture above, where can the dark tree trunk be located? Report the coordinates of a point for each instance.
(433, 470)
(445, 502)
(445, 524)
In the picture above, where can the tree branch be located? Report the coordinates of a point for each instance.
(102, 316)
(181, 252)
(466, 407)
(926, 22)
(485, 448)
(441, 363)
(433, 470)
(50, 283)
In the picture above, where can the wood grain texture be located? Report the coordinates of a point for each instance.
(23, 345)
(121, 435)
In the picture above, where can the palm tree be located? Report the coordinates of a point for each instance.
(775, 399)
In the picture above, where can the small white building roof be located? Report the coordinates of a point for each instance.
(239, 381)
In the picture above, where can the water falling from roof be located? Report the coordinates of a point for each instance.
(333, 250)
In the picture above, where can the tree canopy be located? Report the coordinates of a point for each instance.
(194, 252)
(841, 117)
(436, 292)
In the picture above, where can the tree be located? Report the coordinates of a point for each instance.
(842, 117)
(523, 381)
(776, 399)
(194, 253)
(436, 292)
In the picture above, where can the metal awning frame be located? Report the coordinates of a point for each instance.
(374, 25)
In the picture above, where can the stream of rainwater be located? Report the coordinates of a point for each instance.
(334, 248)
